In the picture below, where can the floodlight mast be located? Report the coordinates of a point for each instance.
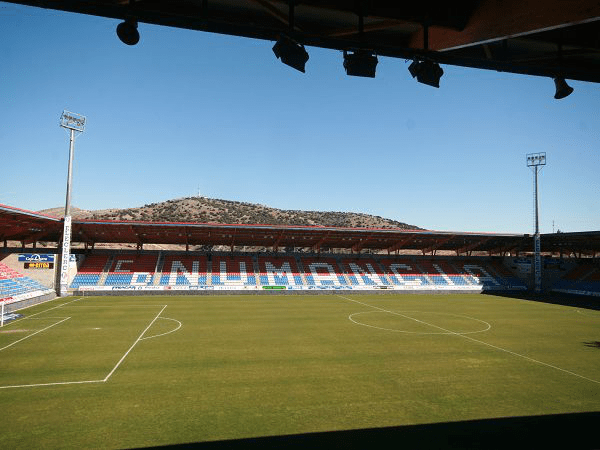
(536, 161)
(75, 123)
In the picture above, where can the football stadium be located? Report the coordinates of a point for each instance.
(139, 334)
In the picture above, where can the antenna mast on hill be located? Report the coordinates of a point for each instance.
(536, 161)
(75, 123)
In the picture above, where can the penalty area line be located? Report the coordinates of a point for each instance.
(140, 337)
(33, 334)
(66, 383)
(58, 383)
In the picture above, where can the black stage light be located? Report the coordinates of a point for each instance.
(290, 53)
(426, 72)
(562, 88)
(360, 63)
(128, 32)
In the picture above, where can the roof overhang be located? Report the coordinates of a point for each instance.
(517, 36)
(29, 227)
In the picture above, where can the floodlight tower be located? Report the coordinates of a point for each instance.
(536, 161)
(75, 123)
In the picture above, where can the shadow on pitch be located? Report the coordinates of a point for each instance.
(580, 301)
(592, 344)
(572, 431)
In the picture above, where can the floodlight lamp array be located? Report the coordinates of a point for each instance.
(562, 88)
(128, 32)
(360, 63)
(536, 159)
(291, 53)
(426, 72)
(72, 121)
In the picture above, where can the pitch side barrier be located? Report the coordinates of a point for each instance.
(259, 292)
(22, 301)
(190, 273)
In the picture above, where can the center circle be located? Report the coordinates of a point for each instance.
(420, 322)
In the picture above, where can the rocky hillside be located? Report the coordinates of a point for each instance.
(201, 209)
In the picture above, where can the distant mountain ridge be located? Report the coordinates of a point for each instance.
(210, 210)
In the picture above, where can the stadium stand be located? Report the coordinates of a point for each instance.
(322, 272)
(404, 273)
(582, 278)
(90, 272)
(15, 286)
(231, 271)
(121, 272)
(364, 272)
(279, 271)
(175, 270)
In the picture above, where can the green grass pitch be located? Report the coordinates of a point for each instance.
(119, 372)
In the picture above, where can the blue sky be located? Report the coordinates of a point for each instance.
(187, 111)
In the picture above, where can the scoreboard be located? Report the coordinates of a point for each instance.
(37, 261)
(38, 265)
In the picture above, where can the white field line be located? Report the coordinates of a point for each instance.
(46, 318)
(111, 306)
(478, 341)
(41, 312)
(134, 344)
(59, 383)
(168, 332)
(33, 334)
(419, 332)
(63, 383)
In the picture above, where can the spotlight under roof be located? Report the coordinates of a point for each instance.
(128, 32)
(291, 53)
(426, 72)
(562, 88)
(361, 63)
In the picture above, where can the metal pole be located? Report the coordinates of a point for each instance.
(535, 200)
(74, 123)
(536, 238)
(536, 161)
(66, 244)
(70, 173)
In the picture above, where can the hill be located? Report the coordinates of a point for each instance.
(209, 210)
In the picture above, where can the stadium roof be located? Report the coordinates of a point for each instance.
(550, 38)
(30, 227)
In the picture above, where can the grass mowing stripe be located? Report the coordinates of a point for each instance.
(477, 340)
(134, 344)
